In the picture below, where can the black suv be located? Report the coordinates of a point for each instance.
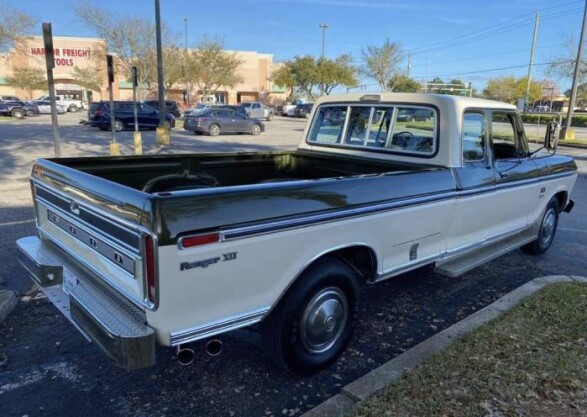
(172, 106)
(147, 116)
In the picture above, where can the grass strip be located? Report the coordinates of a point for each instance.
(532, 361)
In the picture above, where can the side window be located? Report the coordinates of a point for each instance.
(357, 127)
(507, 137)
(414, 130)
(380, 126)
(474, 129)
(328, 124)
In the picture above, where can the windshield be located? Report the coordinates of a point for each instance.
(246, 105)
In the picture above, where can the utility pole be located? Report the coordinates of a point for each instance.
(578, 63)
(162, 132)
(324, 26)
(187, 84)
(529, 78)
(409, 63)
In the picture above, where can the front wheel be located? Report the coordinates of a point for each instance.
(255, 129)
(72, 108)
(547, 230)
(214, 130)
(17, 113)
(118, 125)
(314, 322)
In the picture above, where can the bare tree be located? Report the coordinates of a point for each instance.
(381, 62)
(14, 26)
(131, 39)
(563, 65)
(92, 77)
(210, 67)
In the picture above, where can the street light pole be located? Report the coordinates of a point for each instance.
(578, 64)
(162, 132)
(187, 84)
(323, 26)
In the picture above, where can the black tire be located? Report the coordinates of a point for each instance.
(18, 113)
(119, 125)
(167, 124)
(214, 130)
(72, 108)
(269, 117)
(29, 113)
(546, 231)
(255, 129)
(327, 292)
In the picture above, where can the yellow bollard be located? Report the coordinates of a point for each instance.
(570, 134)
(114, 149)
(138, 143)
(163, 138)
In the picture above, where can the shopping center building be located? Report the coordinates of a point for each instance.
(70, 52)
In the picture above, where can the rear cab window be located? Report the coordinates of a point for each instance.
(404, 129)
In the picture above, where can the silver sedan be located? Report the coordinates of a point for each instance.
(45, 107)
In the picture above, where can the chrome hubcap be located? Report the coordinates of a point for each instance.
(547, 227)
(324, 320)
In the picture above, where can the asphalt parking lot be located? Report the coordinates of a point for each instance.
(51, 370)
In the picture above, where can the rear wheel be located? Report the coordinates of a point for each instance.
(255, 129)
(72, 108)
(167, 124)
(17, 113)
(547, 230)
(312, 325)
(30, 113)
(269, 117)
(119, 125)
(214, 130)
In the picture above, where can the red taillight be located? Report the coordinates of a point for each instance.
(191, 241)
(98, 113)
(150, 269)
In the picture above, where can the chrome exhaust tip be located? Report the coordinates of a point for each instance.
(214, 347)
(185, 356)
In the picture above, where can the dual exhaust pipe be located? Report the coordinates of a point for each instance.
(186, 355)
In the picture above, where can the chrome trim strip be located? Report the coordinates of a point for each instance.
(337, 215)
(220, 326)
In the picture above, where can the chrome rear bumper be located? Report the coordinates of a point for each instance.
(102, 315)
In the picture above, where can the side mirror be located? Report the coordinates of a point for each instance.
(550, 138)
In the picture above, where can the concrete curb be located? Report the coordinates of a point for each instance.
(7, 303)
(395, 369)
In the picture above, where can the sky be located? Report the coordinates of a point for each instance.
(470, 40)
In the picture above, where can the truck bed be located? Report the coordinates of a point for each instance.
(164, 173)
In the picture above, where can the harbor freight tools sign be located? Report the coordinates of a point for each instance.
(64, 57)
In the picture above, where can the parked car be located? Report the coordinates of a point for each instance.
(197, 108)
(148, 117)
(257, 110)
(172, 106)
(70, 104)
(13, 109)
(222, 120)
(31, 108)
(44, 107)
(9, 98)
(303, 110)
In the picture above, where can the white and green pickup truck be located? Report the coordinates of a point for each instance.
(140, 251)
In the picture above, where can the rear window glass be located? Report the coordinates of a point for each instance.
(398, 129)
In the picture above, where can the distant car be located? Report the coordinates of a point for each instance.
(303, 110)
(171, 106)
(197, 108)
(13, 109)
(257, 110)
(220, 120)
(44, 107)
(148, 117)
(10, 98)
